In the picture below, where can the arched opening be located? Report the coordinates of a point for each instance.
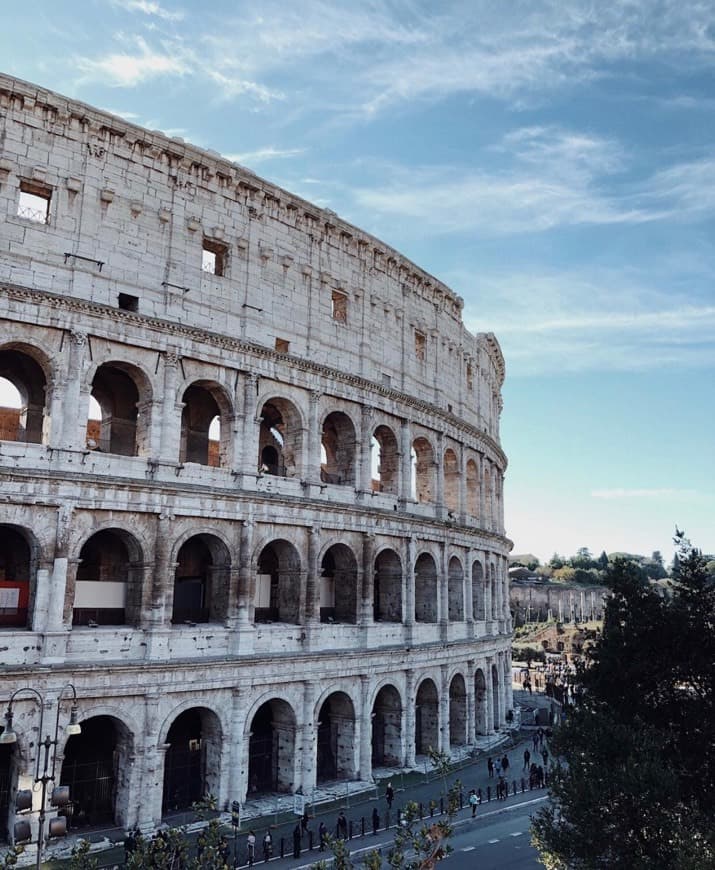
(193, 758)
(7, 753)
(495, 695)
(201, 581)
(455, 590)
(120, 428)
(425, 589)
(280, 439)
(384, 461)
(423, 467)
(338, 450)
(480, 702)
(426, 718)
(457, 711)
(278, 584)
(451, 481)
(96, 768)
(271, 749)
(203, 439)
(16, 571)
(478, 592)
(109, 580)
(338, 585)
(387, 728)
(336, 738)
(387, 587)
(22, 397)
(472, 488)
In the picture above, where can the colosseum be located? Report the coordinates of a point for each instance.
(251, 498)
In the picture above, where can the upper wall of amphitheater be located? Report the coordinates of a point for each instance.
(147, 223)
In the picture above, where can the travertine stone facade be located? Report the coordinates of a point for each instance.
(251, 491)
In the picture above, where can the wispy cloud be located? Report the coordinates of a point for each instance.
(151, 8)
(131, 68)
(654, 494)
(262, 155)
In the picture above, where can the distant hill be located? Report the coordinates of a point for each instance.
(524, 559)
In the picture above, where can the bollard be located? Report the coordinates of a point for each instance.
(421, 811)
(350, 829)
(441, 806)
(387, 818)
(461, 799)
(310, 840)
(282, 848)
(362, 826)
(479, 795)
(513, 787)
(431, 809)
(489, 793)
(523, 785)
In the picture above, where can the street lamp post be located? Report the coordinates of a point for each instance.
(48, 763)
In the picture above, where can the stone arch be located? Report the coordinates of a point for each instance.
(96, 768)
(423, 471)
(192, 765)
(338, 585)
(27, 370)
(203, 439)
(479, 610)
(278, 581)
(124, 395)
(271, 748)
(338, 449)
(496, 688)
(457, 711)
(480, 702)
(384, 460)
(280, 438)
(19, 560)
(472, 488)
(387, 587)
(455, 590)
(426, 717)
(387, 728)
(201, 580)
(452, 477)
(425, 588)
(336, 738)
(109, 585)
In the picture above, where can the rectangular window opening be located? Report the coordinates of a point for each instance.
(339, 306)
(214, 257)
(282, 345)
(420, 346)
(128, 302)
(470, 378)
(34, 202)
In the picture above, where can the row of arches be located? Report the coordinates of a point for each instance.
(110, 582)
(277, 753)
(340, 447)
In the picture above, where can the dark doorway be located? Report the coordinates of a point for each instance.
(263, 753)
(5, 765)
(184, 766)
(89, 769)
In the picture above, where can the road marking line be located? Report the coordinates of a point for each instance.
(468, 848)
(491, 842)
(517, 834)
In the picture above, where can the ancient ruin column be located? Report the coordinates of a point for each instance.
(405, 462)
(314, 438)
(443, 591)
(439, 474)
(408, 587)
(462, 484)
(482, 495)
(365, 721)
(469, 614)
(234, 782)
(171, 409)
(490, 694)
(364, 475)
(471, 669)
(368, 576)
(246, 596)
(248, 461)
(51, 618)
(443, 710)
(151, 776)
(74, 410)
(311, 616)
(306, 744)
(408, 731)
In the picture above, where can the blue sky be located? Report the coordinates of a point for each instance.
(553, 162)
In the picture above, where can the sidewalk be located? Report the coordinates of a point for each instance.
(414, 785)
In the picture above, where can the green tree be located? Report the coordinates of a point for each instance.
(81, 858)
(635, 789)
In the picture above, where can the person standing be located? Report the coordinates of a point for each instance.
(342, 826)
(389, 795)
(375, 820)
(251, 848)
(322, 836)
(527, 759)
(490, 767)
(297, 835)
(473, 801)
(267, 847)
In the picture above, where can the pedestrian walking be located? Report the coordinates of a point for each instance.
(497, 767)
(490, 767)
(535, 740)
(505, 764)
(375, 820)
(322, 836)
(473, 801)
(267, 847)
(342, 826)
(297, 836)
(251, 848)
(545, 755)
(389, 795)
(527, 759)
(304, 822)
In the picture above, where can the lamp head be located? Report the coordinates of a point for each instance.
(73, 726)
(8, 735)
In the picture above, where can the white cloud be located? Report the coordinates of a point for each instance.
(129, 69)
(151, 8)
(262, 155)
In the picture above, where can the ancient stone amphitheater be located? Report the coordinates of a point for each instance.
(250, 481)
